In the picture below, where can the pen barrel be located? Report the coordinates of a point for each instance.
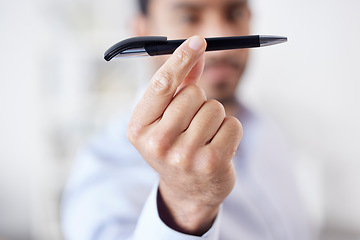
(213, 44)
(227, 43)
(165, 48)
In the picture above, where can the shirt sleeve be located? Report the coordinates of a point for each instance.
(102, 208)
(150, 226)
(111, 195)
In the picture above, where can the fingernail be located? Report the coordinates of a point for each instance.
(196, 43)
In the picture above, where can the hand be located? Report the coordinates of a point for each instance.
(187, 139)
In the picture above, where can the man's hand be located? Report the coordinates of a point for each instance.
(187, 139)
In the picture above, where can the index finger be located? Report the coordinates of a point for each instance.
(164, 83)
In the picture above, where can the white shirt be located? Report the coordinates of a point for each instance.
(111, 194)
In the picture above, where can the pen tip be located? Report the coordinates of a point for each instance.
(271, 40)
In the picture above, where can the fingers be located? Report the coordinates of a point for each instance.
(181, 110)
(167, 79)
(228, 137)
(205, 124)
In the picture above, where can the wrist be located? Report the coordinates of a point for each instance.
(186, 216)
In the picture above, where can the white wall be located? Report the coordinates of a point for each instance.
(310, 86)
(56, 90)
(54, 85)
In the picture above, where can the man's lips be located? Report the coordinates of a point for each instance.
(218, 72)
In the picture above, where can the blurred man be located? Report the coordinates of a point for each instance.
(184, 175)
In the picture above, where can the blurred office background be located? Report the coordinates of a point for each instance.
(56, 91)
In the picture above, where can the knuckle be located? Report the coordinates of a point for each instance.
(133, 133)
(235, 133)
(182, 56)
(157, 145)
(180, 158)
(216, 107)
(209, 164)
(234, 125)
(213, 154)
(209, 167)
(194, 92)
(162, 81)
(231, 151)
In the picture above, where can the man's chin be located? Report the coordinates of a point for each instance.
(218, 89)
(221, 96)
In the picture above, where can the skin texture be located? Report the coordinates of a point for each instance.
(178, 127)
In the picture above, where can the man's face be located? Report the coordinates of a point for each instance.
(178, 19)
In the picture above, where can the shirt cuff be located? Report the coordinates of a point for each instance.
(150, 226)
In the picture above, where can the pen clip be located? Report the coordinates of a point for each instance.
(133, 45)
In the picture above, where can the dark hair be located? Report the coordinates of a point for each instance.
(143, 4)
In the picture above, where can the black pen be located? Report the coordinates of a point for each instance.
(153, 46)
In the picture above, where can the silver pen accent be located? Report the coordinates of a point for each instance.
(134, 52)
(271, 40)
